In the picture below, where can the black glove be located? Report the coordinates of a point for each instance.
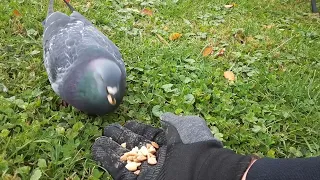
(187, 151)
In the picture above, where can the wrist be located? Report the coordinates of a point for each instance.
(244, 177)
(224, 164)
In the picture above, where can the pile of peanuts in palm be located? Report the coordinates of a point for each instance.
(136, 156)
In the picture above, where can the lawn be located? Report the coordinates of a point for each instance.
(272, 108)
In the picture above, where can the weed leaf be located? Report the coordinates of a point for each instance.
(36, 174)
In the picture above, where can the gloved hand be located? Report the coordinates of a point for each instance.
(188, 151)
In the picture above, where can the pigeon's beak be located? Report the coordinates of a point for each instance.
(112, 100)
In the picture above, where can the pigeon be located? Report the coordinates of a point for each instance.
(84, 67)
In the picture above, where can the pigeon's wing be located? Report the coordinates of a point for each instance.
(105, 42)
(53, 23)
(77, 16)
(98, 36)
(60, 39)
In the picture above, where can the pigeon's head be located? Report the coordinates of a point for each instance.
(101, 88)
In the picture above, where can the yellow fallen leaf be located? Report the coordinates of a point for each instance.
(229, 75)
(221, 52)
(207, 51)
(229, 6)
(147, 12)
(175, 36)
(16, 13)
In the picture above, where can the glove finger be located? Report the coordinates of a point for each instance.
(149, 132)
(190, 129)
(107, 152)
(121, 135)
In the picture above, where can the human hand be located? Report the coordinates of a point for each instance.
(187, 150)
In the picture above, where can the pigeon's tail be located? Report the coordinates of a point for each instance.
(50, 7)
(70, 7)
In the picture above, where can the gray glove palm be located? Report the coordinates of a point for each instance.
(187, 150)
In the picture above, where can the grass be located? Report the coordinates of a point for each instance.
(272, 109)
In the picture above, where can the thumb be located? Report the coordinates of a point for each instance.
(186, 129)
(171, 132)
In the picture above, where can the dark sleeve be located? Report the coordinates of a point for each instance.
(285, 169)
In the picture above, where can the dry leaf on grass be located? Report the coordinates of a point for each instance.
(268, 26)
(147, 12)
(175, 36)
(162, 39)
(207, 51)
(16, 13)
(221, 52)
(229, 75)
(228, 6)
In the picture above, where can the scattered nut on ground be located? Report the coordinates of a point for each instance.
(136, 156)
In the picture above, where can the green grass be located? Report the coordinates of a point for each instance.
(272, 109)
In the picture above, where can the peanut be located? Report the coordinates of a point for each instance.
(137, 172)
(132, 166)
(141, 158)
(136, 156)
(144, 150)
(152, 161)
(154, 144)
(148, 145)
(152, 150)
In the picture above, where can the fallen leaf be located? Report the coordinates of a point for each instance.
(16, 13)
(175, 36)
(249, 39)
(207, 51)
(282, 68)
(268, 26)
(88, 5)
(147, 12)
(162, 39)
(229, 75)
(229, 6)
(221, 52)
